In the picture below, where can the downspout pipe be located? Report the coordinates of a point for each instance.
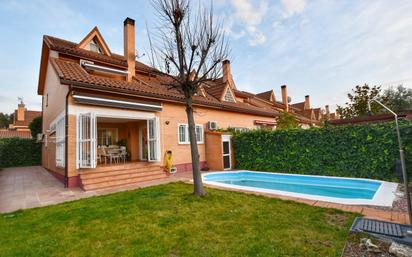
(66, 145)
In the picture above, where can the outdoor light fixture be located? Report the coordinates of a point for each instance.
(401, 153)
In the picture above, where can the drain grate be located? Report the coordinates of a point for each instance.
(381, 227)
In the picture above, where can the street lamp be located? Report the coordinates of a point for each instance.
(401, 153)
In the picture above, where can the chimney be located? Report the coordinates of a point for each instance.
(192, 75)
(226, 71)
(285, 97)
(21, 111)
(129, 47)
(337, 115)
(327, 111)
(307, 103)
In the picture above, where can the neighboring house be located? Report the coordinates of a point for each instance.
(93, 98)
(20, 126)
(6, 133)
(405, 115)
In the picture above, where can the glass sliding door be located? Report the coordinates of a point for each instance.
(86, 140)
(153, 140)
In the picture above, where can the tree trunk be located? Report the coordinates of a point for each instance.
(197, 177)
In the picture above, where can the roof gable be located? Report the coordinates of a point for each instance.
(95, 37)
(300, 106)
(268, 96)
(228, 95)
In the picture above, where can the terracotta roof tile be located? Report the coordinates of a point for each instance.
(265, 95)
(71, 48)
(215, 89)
(72, 73)
(372, 119)
(14, 133)
(155, 86)
(300, 106)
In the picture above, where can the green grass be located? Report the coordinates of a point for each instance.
(168, 221)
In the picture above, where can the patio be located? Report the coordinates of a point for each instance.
(30, 187)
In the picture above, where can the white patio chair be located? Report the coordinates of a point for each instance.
(123, 153)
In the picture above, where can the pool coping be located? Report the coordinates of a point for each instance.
(384, 196)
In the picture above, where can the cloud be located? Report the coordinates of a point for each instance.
(293, 7)
(258, 39)
(309, 54)
(249, 15)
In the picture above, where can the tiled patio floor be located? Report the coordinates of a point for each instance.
(29, 187)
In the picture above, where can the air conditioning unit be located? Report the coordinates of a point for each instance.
(212, 125)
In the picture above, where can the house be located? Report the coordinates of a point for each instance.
(379, 118)
(20, 126)
(94, 99)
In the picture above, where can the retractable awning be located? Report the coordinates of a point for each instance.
(117, 103)
(265, 122)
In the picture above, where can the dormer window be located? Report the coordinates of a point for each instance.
(94, 47)
(229, 96)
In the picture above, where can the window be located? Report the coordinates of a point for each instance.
(107, 136)
(228, 96)
(60, 142)
(199, 134)
(184, 134)
(94, 46)
(239, 129)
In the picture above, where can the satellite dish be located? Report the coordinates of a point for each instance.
(289, 99)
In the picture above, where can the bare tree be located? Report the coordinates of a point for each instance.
(188, 48)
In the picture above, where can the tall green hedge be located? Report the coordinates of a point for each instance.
(365, 151)
(19, 152)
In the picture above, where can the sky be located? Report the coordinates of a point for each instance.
(321, 48)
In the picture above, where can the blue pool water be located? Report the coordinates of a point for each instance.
(312, 185)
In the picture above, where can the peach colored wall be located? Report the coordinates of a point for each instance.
(175, 114)
(214, 155)
(51, 109)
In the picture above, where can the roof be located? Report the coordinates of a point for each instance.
(215, 88)
(70, 48)
(5, 133)
(300, 105)
(29, 116)
(73, 74)
(156, 86)
(317, 112)
(372, 119)
(265, 95)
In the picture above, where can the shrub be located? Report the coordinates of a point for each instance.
(366, 151)
(19, 152)
(35, 126)
(287, 121)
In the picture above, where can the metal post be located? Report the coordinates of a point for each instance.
(401, 154)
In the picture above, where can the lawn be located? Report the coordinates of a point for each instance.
(167, 220)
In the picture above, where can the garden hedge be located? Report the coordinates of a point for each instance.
(19, 152)
(364, 151)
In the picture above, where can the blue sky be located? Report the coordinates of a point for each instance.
(318, 47)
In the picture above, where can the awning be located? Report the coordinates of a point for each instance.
(264, 122)
(124, 104)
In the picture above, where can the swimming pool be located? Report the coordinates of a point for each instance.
(331, 189)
